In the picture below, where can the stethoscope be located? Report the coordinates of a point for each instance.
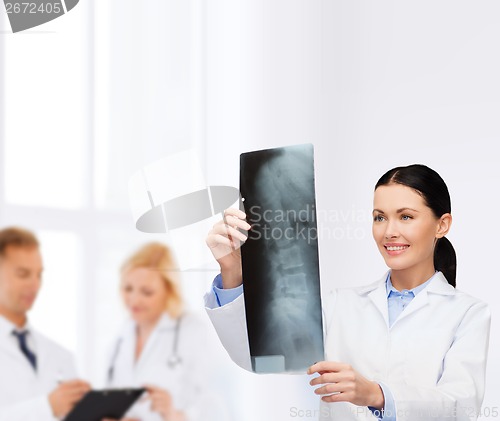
(173, 360)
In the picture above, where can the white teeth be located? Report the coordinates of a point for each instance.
(393, 248)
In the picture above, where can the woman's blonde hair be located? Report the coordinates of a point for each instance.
(158, 257)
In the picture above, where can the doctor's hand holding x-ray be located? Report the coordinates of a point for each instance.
(162, 347)
(408, 347)
(225, 240)
(37, 376)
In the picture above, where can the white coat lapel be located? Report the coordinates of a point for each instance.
(41, 354)
(437, 285)
(122, 361)
(147, 349)
(378, 295)
(165, 323)
(9, 348)
(49, 369)
(379, 298)
(421, 300)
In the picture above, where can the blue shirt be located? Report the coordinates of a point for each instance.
(397, 301)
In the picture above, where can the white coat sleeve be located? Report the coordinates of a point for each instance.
(37, 409)
(231, 327)
(460, 390)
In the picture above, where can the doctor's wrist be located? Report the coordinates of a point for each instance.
(377, 400)
(231, 277)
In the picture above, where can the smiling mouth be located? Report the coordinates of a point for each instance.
(396, 248)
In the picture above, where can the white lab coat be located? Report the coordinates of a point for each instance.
(24, 392)
(433, 358)
(187, 382)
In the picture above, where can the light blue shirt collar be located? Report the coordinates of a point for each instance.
(414, 291)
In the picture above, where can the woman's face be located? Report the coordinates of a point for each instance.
(405, 228)
(144, 294)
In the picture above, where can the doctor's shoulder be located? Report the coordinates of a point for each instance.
(470, 307)
(454, 304)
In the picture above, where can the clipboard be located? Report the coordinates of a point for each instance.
(280, 259)
(99, 404)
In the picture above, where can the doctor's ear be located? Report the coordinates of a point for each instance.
(444, 225)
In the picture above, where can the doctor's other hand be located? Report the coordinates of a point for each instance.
(161, 402)
(341, 383)
(224, 240)
(65, 396)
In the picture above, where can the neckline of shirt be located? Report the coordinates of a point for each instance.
(7, 327)
(414, 291)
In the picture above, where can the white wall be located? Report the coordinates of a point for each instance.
(371, 85)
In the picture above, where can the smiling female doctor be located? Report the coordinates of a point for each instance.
(162, 347)
(407, 347)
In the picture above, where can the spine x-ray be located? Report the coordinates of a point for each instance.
(280, 259)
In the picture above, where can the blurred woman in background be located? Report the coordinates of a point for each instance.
(161, 347)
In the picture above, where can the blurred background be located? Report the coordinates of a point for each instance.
(93, 97)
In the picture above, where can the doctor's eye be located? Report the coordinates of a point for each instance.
(406, 217)
(378, 218)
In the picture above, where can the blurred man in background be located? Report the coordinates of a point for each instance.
(37, 376)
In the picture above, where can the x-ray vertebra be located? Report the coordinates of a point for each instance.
(280, 259)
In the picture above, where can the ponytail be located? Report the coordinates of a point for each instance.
(445, 260)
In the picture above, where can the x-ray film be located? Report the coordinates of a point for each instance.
(280, 259)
